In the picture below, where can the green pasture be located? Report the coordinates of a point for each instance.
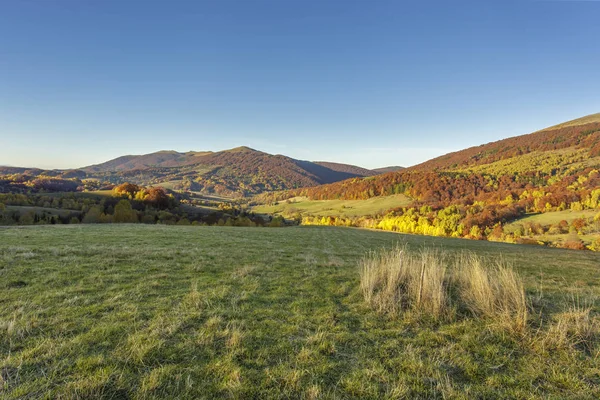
(149, 311)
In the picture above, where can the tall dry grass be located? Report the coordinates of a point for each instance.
(400, 280)
(433, 283)
(573, 328)
(491, 290)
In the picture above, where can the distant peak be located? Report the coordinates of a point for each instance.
(242, 149)
(167, 152)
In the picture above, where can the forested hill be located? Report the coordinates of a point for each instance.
(241, 171)
(476, 192)
(560, 164)
(577, 137)
(235, 172)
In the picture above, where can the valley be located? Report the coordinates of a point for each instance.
(299, 199)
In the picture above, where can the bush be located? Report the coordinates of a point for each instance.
(595, 245)
(93, 215)
(124, 213)
(277, 222)
(573, 243)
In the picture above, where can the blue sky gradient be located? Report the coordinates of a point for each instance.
(372, 83)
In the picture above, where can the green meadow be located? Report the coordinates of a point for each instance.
(150, 311)
(335, 208)
(554, 217)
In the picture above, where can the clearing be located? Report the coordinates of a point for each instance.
(335, 208)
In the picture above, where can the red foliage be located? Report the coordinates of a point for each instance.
(158, 198)
(585, 136)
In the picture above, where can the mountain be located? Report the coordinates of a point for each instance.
(484, 192)
(562, 158)
(236, 172)
(562, 146)
(346, 168)
(158, 159)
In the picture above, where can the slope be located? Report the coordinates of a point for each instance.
(579, 134)
(474, 192)
(234, 172)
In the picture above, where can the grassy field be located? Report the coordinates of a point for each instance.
(135, 311)
(553, 218)
(335, 208)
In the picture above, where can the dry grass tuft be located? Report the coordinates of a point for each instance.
(492, 291)
(433, 284)
(574, 328)
(399, 280)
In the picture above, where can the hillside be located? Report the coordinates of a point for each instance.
(588, 119)
(475, 192)
(346, 168)
(167, 158)
(579, 134)
(235, 172)
(386, 170)
(543, 158)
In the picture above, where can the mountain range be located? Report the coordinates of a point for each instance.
(566, 149)
(236, 172)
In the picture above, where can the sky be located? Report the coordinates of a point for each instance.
(371, 83)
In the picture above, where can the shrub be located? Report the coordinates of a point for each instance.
(124, 213)
(573, 243)
(277, 222)
(595, 245)
(27, 218)
(93, 215)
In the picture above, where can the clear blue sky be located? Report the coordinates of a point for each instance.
(372, 83)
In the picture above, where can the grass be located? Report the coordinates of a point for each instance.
(437, 286)
(554, 217)
(335, 208)
(133, 311)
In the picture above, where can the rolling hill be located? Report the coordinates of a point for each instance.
(235, 172)
(542, 158)
(473, 193)
(385, 170)
(581, 136)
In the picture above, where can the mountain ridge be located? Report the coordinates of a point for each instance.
(552, 157)
(238, 171)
